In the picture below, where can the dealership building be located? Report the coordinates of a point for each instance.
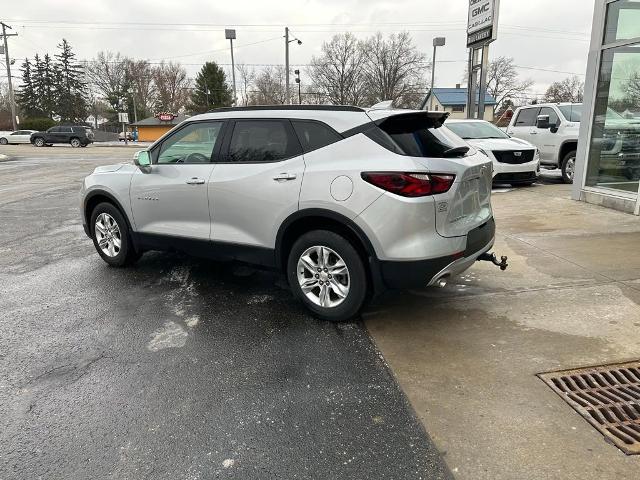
(608, 155)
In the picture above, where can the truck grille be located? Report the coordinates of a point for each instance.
(513, 157)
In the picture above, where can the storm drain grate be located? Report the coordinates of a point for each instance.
(608, 397)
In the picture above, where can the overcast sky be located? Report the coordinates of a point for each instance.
(543, 34)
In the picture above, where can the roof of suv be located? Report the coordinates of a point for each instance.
(339, 117)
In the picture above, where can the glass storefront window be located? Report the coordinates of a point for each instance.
(614, 156)
(623, 21)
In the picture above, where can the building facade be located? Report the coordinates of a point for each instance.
(454, 101)
(608, 156)
(152, 128)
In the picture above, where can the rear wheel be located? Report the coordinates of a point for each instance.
(111, 236)
(326, 273)
(568, 167)
(75, 142)
(4, 141)
(38, 142)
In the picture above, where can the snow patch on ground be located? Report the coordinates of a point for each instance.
(171, 335)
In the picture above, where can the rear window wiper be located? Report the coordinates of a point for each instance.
(455, 152)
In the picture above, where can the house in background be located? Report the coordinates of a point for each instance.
(454, 101)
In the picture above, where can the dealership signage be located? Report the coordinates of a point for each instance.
(482, 25)
(165, 117)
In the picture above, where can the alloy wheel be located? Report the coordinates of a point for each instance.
(75, 143)
(570, 168)
(39, 142)
(323, 276)
(108, 235)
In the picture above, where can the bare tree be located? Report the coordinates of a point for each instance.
(571, 89)
(107, 75)
(246, 79)
(141, 85)
(503, 81)
(269, 87)
(395, 69)
(339, 71)
(172, 87)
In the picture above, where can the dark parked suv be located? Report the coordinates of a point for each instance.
(75, 136)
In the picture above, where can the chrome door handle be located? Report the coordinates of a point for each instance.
(533, 132)
(195, 181)
(285, 176)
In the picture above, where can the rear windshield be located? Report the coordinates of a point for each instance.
(418, 136)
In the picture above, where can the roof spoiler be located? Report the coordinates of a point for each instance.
(401, 121)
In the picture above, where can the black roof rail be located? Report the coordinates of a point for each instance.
(335, 108)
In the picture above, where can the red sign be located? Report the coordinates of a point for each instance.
(165, 117)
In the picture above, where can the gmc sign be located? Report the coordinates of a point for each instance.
(482, 21)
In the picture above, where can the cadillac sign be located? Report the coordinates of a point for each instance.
(482, 25)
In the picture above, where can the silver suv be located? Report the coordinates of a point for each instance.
(346, 201)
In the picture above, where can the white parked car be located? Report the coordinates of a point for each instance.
(19, 136)
(515, 161)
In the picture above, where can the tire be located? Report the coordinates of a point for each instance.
(4, 141)
(75, 142)
(38, 142)
(84, 145)
(355, 279)
(114, 255)
(569, 167)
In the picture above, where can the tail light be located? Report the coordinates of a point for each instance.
(410, 184)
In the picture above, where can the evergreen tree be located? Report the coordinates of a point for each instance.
(211, 89)
(27, 98)
(70, 89)
(44, 84)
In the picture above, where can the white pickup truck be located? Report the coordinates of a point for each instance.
(553, 128)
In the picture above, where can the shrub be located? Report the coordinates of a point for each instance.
(36, 123)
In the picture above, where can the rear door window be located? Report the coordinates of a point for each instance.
(262, 141)
(314, 135)
(527, 117)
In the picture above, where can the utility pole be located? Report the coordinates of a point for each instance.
(6, 56)
(297, 72)
(286, 63)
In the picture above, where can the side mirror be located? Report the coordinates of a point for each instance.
(543, 121)
(142, 160)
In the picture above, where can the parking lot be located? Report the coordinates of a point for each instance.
(184, 368)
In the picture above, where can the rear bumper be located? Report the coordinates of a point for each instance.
(421, 273)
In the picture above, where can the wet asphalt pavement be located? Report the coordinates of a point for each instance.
(178, 367)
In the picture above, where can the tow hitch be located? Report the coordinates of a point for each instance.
(491, 257)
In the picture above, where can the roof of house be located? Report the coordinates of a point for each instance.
(153, 121)
(458, 96)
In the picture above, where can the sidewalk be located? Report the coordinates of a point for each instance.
(140, 145)
(467, 355)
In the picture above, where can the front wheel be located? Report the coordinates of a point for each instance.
(326, 273)
(110, 234)
(569, 167)
(75, 142)
(38, 142)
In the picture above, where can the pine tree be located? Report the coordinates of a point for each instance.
(211, 89)
(44, 84)
(27, 98)
(70, 98)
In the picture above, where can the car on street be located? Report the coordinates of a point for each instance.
(19, 136)
(554, 127)
(121, 136)
(515, 161)
(346, 201)
(76, 136)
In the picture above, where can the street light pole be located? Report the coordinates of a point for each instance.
(230, 34)
(437, 42)
(6, 56)
(286, 63)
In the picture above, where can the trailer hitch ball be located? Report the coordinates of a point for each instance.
(491, 257)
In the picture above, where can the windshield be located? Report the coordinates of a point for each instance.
(572, 113)
(476, 130)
